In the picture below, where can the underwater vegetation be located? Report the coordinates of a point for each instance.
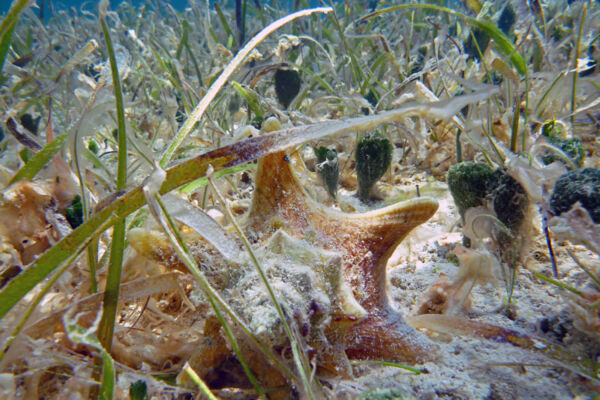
(473, 185)
(583, 186)
(373, 158)
(571, 146)
(470, 183)
(249, 199)
(287, 85)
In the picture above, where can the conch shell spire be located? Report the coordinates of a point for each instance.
(365, 242)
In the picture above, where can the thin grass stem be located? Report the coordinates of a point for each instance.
(515, 126)
(510, 277)
(575, 61)
(416, 371)
(557, 283)
(113, 280)
(584, 268)
(8, 27)
(198, 381)
(548, 90)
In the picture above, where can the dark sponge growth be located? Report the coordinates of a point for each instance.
(473, 184)
(287, 85)
(507, 19)
(572, 147)
(373, 158)
(74, 212)
(482, 39)
(510, 200)
(581, 185)
(469, 184)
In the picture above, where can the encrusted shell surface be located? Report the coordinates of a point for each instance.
(328, 270)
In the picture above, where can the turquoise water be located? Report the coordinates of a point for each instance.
(49, 5)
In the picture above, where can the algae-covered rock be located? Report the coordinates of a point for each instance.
(373, 158)
(287, 85)
(581, 185)
(328, 168)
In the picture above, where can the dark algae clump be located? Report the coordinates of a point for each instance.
(74, 212)
(581, 185)
(138, 390)
(287, 85)
(481, 41)
(30, 123)
(372, 97)
(93, 146)
(469, 184)
(510, 200)
(572, 147)
(475, 184)
(373, 158)
(507, 19)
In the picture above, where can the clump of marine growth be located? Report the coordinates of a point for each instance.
(581, 185)
(328, 168)
(287, 85)
(475, 184)
(572, 147)
(373, 158)
(507, 19)
(74, 212)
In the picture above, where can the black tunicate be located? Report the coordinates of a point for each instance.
(287, 85)
(373, 158)
(580, 185)
(507, 19)
(30, 123)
